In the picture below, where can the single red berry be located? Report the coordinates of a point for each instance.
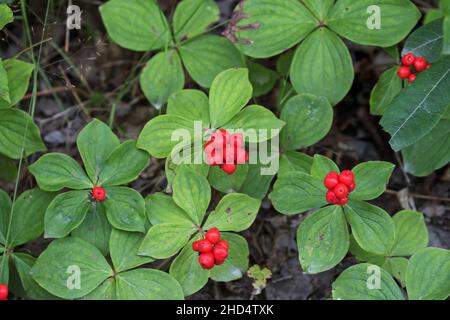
(403, 72)
(224, 243)
(229, 168)
(347, 177)
(195, 246)
(331, 197)
(4, 292)
(220, 252)
(408, 59)
(219, 262)
(420, 64)
(352, 186)
(342, 201)
(213, 235)
(412, 78)
(229, 155)
(341, 191)
(204, 246)
(241, 156)
(214, 157)
(99, 194)
(331, 180)
(206, 260)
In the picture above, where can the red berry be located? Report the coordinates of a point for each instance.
(195, 245)
(213, 235)
(219, 262)
(331, 180)
(412, 78)
(403, 72)
(206, 260)
(229, 168)
(204, 246)
(346, 177)
(342, 201)
(352, 186)
(237, 140)
(341, 191)
(241, 156)
(214, 157)
(224, 243)
(420, 64)
(3, 292)
(408, 59)
(99, 194)
(220, 253)
(331, 197)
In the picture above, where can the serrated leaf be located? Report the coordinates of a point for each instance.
(371, 179)
(322, 239)
(263, 79)
(274, 26)
(308, 119)
(321, 166)
(427, 41)
(18, 74)
(294, 161)
(190, 104)
(387, 88)
(162, 209)
(357, 20)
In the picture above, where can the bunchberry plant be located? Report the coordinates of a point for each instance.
(20, 222)
(142, 26)
(323, 238)
(96, 195)
(181, 227)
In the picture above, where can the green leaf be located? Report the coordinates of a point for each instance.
(187, 271)
(323, 239)
(263, 79)
(147, 284)
(321, 166)
(256, 185)
(320, 8)
(308, 119)
(206, 56)
(56, 268)
(156, 137)
(125, 209)
(353, 284)
(4, 269)
(371, 179)
(235, 212)
(411, 233)
(297, 193)
(236, 264)
(192, 193)
(269, 27)
(322, 66)
(162, 76)
(372, 227)
(106, 291)
(65, 213)
(18, 74)
(165, 240)
(28, 218)
(135, 25)
(427, 41)
(55, 171)
(95, 143)
(162, 209)
(192, 17)
(21, 134)
(284, 63)
(432, 15)
(230, 92)
(4, 88)
(124, 164)
(5, 212)
(95, 229)
(124, 250)
(254, 118)
(417, 109)
(397, 268)
(8, 168)
(446, 27)
(6, 15)
(294, 161)
(356, 20)
(190, 104)
(428, 275)
(363, 255)
(430, 153)
(387, 88)
(223, 182)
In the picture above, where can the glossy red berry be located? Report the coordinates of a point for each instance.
(420, 64)
(195, 246)
(206, 260)
(331, 180)
(412, 78)
(219, 262)
(229, 168)
(99, 194)
(346, 177)
(220, 253)
(224, 243)
(408, 59)
(4, 291)
(204, 246)
(331, 197)
(237, 140)
(403, 72)
(341, 191)
(213, 235)
(342, 201)
(352, 186)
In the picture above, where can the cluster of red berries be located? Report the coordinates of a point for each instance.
(409, 60)
(226, 150)
(98, 194)
(339, 186)
(213, 251)
(3, 292)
